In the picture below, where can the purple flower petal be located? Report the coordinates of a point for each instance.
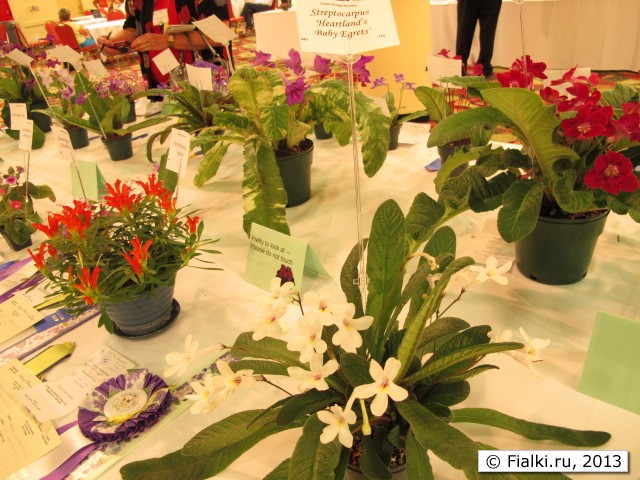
(295, 91)
(321, 65)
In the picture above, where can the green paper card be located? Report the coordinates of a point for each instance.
(269, 250)
(87, 180)
(611, 370)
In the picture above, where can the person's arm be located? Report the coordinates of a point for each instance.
(83, 31)
(127, 35)
(160, 41)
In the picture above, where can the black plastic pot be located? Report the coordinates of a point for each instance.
(119, 147)
(295, 171)
(320, 132)
(444, 152)
(79, 137)
(559, 250)
(394, 135)
(40, 119)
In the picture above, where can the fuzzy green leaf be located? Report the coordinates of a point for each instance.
(441, 327)
(521, 208)
(418, 463)
(434, 102)
(370, 462)
(355, 368)
(210, 164)
(260, 367)
(349, 278)
(281, 472)
(304, 404)
(463, 124)
(423, 216)
(569, 199)
(311, 459)
(267, 348)
(530, 430)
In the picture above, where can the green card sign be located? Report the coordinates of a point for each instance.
(611, 370)
(270, 250)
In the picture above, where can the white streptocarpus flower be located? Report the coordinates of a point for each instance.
(230, 381)
(308, 338)
(433, 264)
(491, 271)
(382, 387)
(347, 335)
(338, 422)
(321, 303)
(206, 395)
(529, 354)
(267, 324)
(315, 377)
(280, 294)
(180, 361)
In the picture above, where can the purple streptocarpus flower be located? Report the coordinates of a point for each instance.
(66, 93)
(360, 72)
(321, 65)
(295, 91)
(409, 86)
(294, 62)
(379, 82)
(399, 77)
(80, 98)
(263, 60)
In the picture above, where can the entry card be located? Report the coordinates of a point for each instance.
(270, 250)
(215, 29)
(200, 77)
(87, 180)
(179, 147)
(439, 67)
(22, 439)
(26, 136)
(65, 149)
(96, 68)
(20, 57)
(18, 115)
(64, 53)
(16, 315)
(611, 369)
(346, 26)
(165, 61)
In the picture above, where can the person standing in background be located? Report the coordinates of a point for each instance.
(82, 34)
(471, 12)
(254, 6)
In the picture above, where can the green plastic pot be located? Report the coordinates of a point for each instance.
(295, 171)
(394, 135)
(119, 147)
(79, 137)
(559, 250)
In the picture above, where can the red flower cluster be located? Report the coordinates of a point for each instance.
(88, 283)
(138, 257)
(121, 196)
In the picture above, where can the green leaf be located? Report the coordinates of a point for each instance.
(260, 367)
(386, 253)
(467, 353)
(370, 462)
(535, 122)
(447, 393)
(423, 216)
(569, 199)
(210, 163)
(530, 430)
(176, 466)
(281, 472)
(274, 120)
(521, 208)
(418, 464)
(311, 459)
(373, 129)
(267, 348)
(463, 124)
(441, 327)
(355, 368)
(448, 443)
(349, 278)
(263, 195)
(472, 372)
(226, 432)
(434, 102)
(303, 404)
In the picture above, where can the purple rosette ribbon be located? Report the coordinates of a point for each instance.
(124, 406)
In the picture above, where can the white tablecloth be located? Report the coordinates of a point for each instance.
(601, 34)
(103, 28)
(216, 305)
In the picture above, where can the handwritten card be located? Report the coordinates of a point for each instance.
(16, 315)
(179, 147)
(96, 68)
(439, 67)
(18, 115)
(200, 77)
(22, 439)
(611, 369)
(215, 29)
(269, 250)
(65, 148)
(165, 61)
(55, 399)
(87, 180)
(26, 136)
(20, 57)
(346, 27)
(64, 53)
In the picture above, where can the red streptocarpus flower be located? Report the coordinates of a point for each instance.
(137, 258)
(552, 95)
(38, 258)
(88, 284)
(583, 97)
(120, 196)
(533, 68)
(613, 173)
(589, 123)
(515, 79)
(192, 224)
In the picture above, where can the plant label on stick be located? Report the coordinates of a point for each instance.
(96, 68)
(269, 250)
(179, 147)
(18, 115)
(165, 61)
(65, 148)
(20, 57)
(200, 77)
(440, 67)
(346, 27)
(215, 29)
(64, 53)
(26, 136)
(87, 180)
